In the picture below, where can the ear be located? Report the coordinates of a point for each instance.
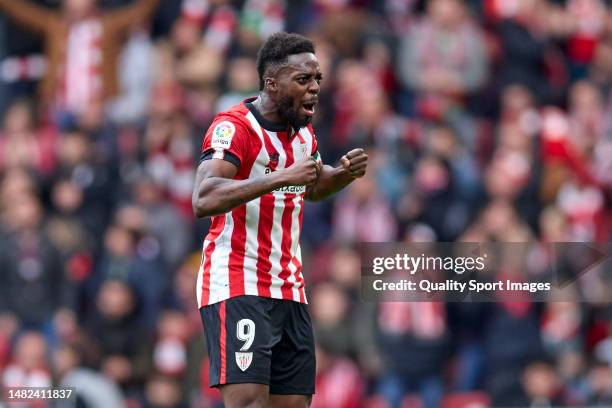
(270, 84)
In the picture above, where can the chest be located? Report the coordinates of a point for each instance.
(278, 150)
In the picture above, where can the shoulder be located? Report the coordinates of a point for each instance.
(235, 117)
(238, 111)
(231, 131)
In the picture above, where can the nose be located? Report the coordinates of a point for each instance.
(314, 87)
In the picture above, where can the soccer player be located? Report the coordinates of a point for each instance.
(259, 162)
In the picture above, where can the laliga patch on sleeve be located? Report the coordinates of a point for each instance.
(222, 135)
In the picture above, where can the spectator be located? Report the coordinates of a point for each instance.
(22, 144)
(77, 246)
(83, 165)
(163, 221)
(114, 330)
(86, 30)
(92, 388)
(599, 69)
(588, 26)
(528, 55)
(542, 386)
(34, 285)
(507, 355)
(29, 367)
(600, 385)
(413, 339)
(362, 214)
(331, 317)
(135, 79)
(561, 323)
(163, 392)
(170, 349)
(133, 257)
(169, 150)
(485, 121)
(443, 59)
(241, 82)
(338, 382)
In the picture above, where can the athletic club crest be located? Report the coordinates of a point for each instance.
(244, 359)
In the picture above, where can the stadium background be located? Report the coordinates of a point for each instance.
(483, 120)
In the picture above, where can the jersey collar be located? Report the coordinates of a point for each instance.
(266, 124)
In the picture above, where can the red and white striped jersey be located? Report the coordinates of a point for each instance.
(81, 81)
(254, 249)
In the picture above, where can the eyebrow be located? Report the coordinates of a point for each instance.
(298, 71)
(318, 74)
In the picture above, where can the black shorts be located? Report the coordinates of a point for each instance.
(253, 339)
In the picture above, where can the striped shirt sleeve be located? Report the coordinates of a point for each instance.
(225, 140)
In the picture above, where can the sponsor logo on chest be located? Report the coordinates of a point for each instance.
(291, 189)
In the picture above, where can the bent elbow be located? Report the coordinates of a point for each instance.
(207, 207)
(200, 209)
(199, 212)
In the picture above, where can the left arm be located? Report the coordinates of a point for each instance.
(333, 179)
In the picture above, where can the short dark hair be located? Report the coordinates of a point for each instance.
(277, 49)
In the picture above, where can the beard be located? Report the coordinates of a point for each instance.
(288, 113)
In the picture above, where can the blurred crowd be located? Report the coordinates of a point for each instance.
(484, 121)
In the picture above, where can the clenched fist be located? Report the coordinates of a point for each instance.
(355, 162)
(302, 173)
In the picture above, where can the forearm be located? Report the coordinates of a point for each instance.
(331, 180)
(217, 195)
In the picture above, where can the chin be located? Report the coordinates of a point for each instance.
(295, 119)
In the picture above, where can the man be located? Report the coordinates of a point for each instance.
(259, 161)
(82, 48)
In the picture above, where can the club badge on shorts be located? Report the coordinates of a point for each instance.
(244, 359)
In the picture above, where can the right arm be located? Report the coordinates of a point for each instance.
(215, 192)
(33, 16)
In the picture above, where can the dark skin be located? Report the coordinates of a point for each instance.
(296, 84)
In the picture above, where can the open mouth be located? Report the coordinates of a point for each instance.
(309, 108)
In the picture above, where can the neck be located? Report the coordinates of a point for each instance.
(267, 108)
